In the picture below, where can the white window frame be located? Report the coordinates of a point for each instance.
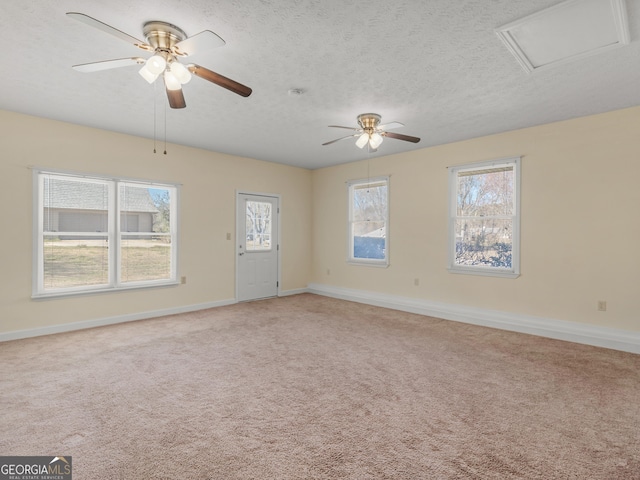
(352, 185)
(512, 272)
(113, 234)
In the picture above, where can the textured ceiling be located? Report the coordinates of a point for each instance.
(437, 66)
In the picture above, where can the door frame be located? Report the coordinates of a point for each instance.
(278, 199)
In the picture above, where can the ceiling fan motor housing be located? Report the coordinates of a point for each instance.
(162, 36)
(369, 121)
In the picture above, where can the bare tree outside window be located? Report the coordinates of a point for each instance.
(485, 216)
(258, 228)
(162, 219)
(368, 219)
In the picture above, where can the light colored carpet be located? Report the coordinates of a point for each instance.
(307, 387)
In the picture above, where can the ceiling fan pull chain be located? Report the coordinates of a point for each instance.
(369, 170)
(165, 127)
(155, 116)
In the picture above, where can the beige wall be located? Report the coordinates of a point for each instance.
(580, 226)
(209, 183)
(580, 223)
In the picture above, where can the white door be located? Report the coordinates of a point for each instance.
(256, 247)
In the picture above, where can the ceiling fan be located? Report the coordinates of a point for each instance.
(168, 43)
(372, 133)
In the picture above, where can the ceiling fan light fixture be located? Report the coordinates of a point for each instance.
(171, 81)
(372, 132)
(147, 75)
(375, 140)
(156, 64)
(362, 141)
(166, 42)
(180, 71)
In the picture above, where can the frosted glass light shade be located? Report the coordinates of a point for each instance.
(376, 140)
(362, 140)
(180, 71)
(156, 64)
(170, 81)
(147, 75)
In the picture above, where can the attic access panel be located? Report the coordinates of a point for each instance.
(570, 30)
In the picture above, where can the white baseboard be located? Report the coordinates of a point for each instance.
(296, 291)
(615, 339)
(100, 322)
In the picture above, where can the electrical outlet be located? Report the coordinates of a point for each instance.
(228, 236)
(602, 306)
(183, 280)
(416, 281)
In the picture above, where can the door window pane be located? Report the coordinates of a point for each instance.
(258, 226)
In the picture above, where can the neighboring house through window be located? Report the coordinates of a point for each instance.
(95, 233)
(369, 221)
(484, 218)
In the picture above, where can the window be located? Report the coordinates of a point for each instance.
(484, 219)
(369, 221)
(258, 226)
(95, 234)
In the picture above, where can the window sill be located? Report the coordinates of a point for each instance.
(483, 272)
(76, 293)
(364, 263)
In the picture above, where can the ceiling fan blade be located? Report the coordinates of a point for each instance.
(348, 128)
(176, 98)
(81, 17)
(220, 80)
(390, 125)
(398, 136)
(338, 139)
(107, 64)
(199, 42)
